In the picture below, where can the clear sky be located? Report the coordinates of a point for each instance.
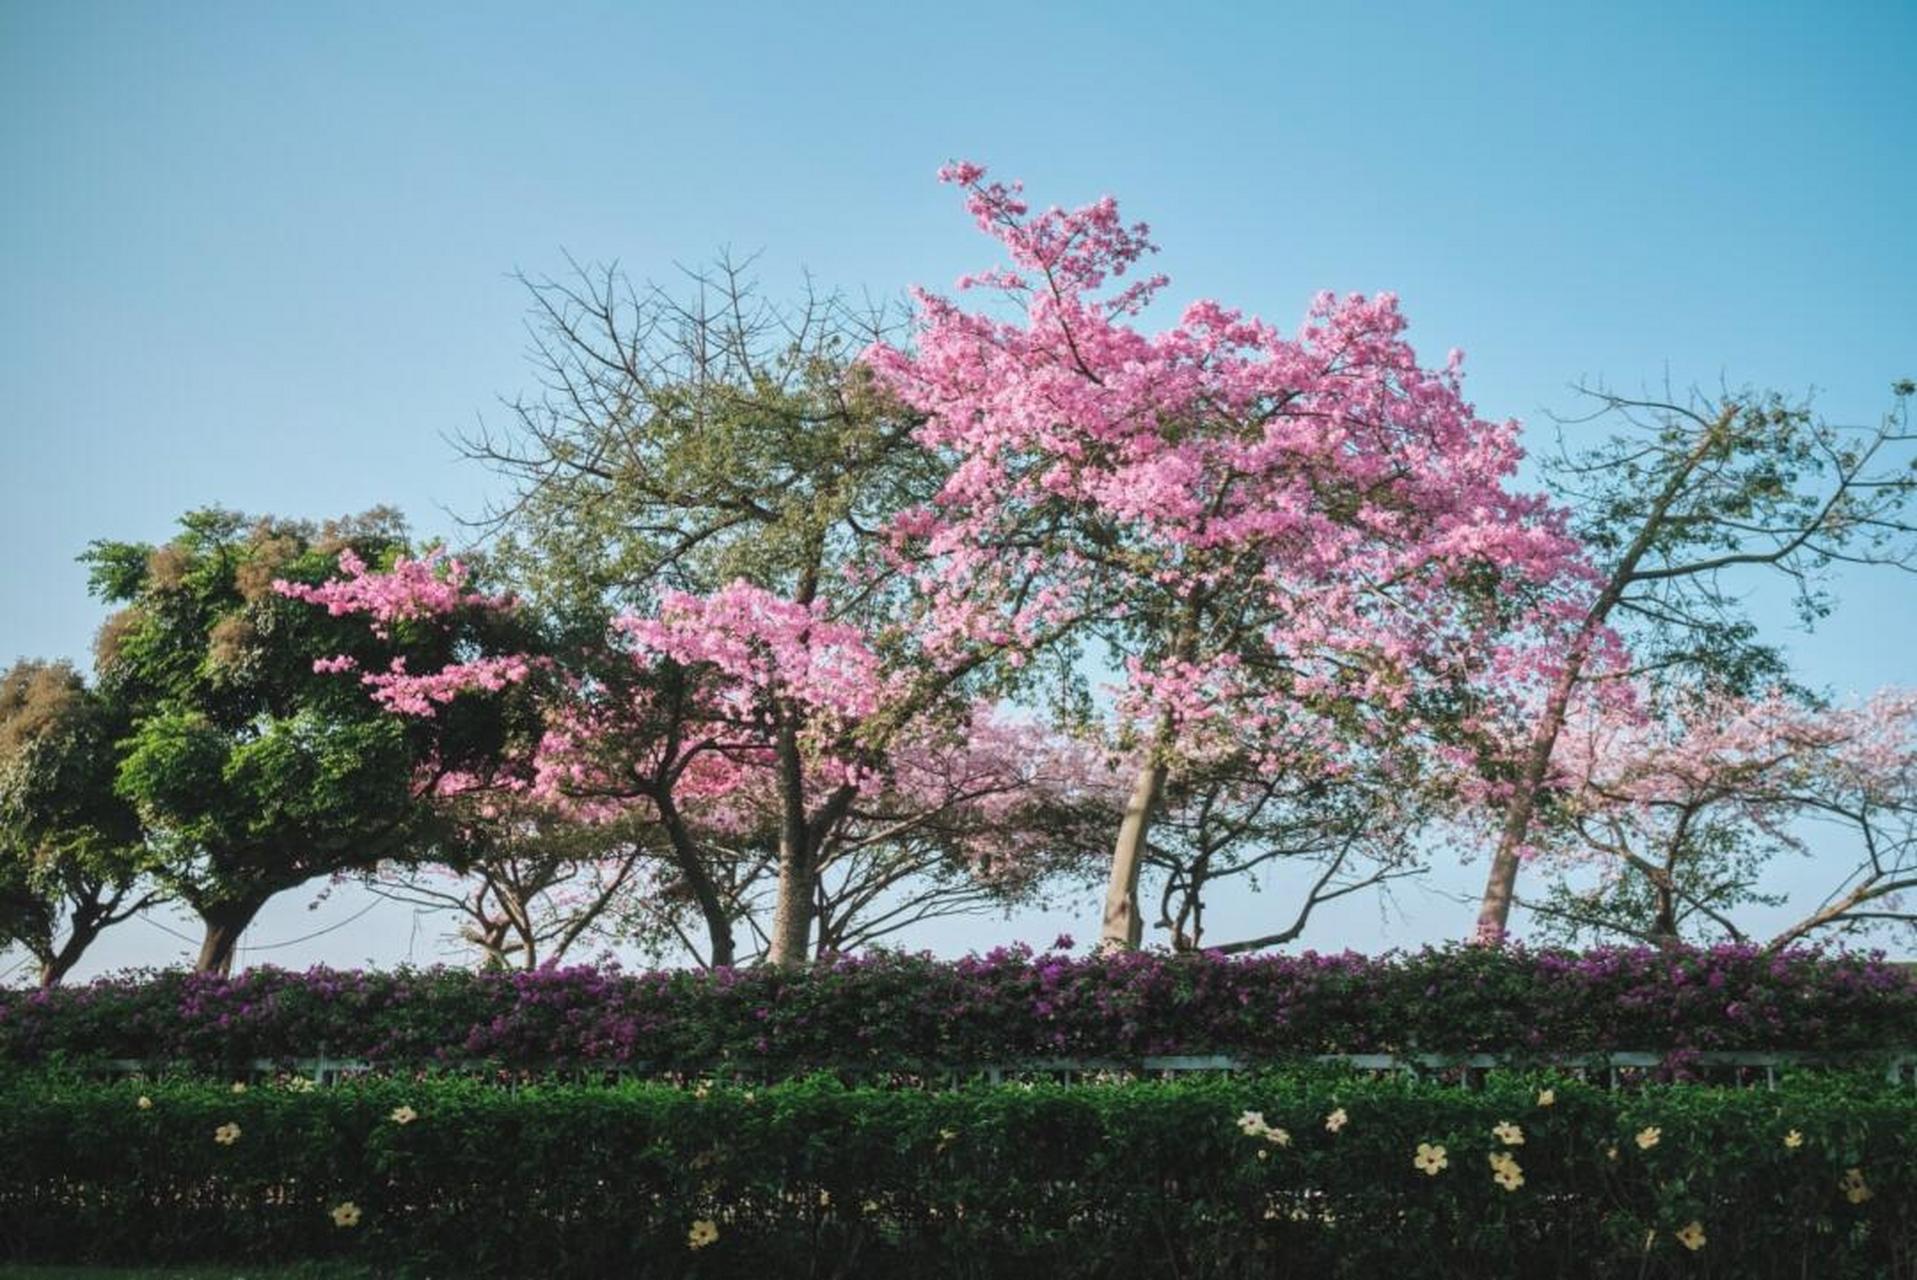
(260, 254)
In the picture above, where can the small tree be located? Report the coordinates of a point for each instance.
(534, 885)
(688, 452)
(70, 849)
(252, 772)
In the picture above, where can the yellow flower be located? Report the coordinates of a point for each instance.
(1430, 1159)
(1505, 1171)
(701, 1089)
(1853, 1186)
(145, 1103)
(1648, 1137)
(1793, 1140)
(1507, 1133)
(239, 1086)
(346, 1214)
(1547, 1097)
(703, 1233)
(1252, 1124)
(227, 1134)
(1336, 1120)
(403, 1115)
(1611, 1152)
(1278, 1137)
(1691, 1236)
(301, 1084)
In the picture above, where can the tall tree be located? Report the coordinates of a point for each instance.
(1301, 552)
(714, 455)
(1682, 504)
(70, 848)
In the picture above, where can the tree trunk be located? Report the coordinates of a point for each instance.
(56, 964)
(798, 877)
(1123, 927)
(1494, 910)
(225, 922)
(688, 857)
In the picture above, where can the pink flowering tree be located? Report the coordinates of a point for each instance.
(689, 447)
(1303, 553)
(774, 743)
(1666, 825)
(983, 813)
(1684, 505)
(710, 730)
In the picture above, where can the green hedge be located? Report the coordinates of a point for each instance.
(1107, 1180)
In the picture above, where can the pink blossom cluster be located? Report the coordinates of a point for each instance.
(431, 585)
(765, 648)
(1325, 491)
(1751, 754)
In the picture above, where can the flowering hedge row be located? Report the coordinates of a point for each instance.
(1280, 1175)
(906, 1011)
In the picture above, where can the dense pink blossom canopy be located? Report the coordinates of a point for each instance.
(1335, 504)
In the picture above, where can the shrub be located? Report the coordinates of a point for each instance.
(1117, 1180)
(910, 1012)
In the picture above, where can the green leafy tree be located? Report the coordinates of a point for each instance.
(251, 772)
(70, 848)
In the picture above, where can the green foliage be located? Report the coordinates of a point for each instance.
(69, 846)
(1109, 1180)
(251, 772)
(685, 440)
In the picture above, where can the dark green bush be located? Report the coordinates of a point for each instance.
(811, 1178)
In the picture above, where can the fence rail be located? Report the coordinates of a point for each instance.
(1614, 1069)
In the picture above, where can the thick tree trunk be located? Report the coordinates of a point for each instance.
(1123, 926)
(225, 922)
(798, 876)
(56, 964)
(792, 915)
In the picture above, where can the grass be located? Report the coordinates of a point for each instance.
(292, 1271)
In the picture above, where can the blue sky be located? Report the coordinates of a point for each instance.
(260, 254)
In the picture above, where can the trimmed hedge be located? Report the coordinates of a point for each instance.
(1113, 1180)
(911, 1012)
